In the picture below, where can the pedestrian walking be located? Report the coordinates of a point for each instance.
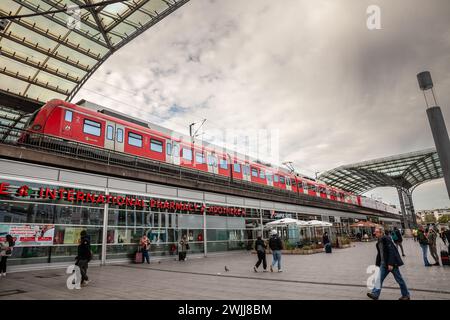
(183, 246)
(326, 242)
(5, 252)
(276, 245)
(84, 256)
(389, 260)
(446, 237)
(423, 242)
(260, 247)
(396, 236)
(145, 248)
(432, 237)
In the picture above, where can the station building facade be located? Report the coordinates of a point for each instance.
(49, 207)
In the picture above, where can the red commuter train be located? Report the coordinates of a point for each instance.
(71, 122)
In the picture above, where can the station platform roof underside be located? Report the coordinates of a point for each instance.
(50, 56)
(405, 171)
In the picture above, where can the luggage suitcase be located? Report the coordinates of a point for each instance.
(138, 257)
(328, 248)
(444, 258)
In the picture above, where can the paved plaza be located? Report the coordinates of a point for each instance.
(341, 275)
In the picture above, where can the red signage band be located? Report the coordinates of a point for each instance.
(73, 195)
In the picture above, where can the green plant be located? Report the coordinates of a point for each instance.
(444, 219)
(307, 247)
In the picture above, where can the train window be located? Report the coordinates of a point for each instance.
(275, 178)
(199, 158)
(288, 181)
(255, 172)
(169, 149)
(187, 154)
(92, 127)
(119, 135)
(261, 174)
(269, 176)
(68, 116)
(156, 145)
(237, 167)
(282, 180)
(246, 169)
(212, 161)
(134, 139)
(223, 163)
(110, 133)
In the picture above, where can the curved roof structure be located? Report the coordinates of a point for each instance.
(406, 171)
(57, 45)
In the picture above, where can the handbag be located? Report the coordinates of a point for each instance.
(187, 246)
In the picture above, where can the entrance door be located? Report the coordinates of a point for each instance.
(288, 184)
(173, 152)
(119, 138)
(110, 135)
(246, 172)
(211, 160)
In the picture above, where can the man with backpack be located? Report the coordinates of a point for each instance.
(84, 256)
(260, 248)
(276, 245)
(396, 236)
(423, 242)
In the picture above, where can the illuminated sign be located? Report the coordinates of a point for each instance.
(73, 195)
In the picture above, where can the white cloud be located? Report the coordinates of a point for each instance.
(337, 92)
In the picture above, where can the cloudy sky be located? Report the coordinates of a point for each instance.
(334, 91)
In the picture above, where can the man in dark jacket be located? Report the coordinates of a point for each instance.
(388, 259)
(260, 248)
(398, 239)
(276, 246)
(84, 256)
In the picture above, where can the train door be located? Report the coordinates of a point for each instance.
(211, 160)
(173, 152)
(269, 176)
(119, 138)
(246, 172)
(110, 135)
(288, 184)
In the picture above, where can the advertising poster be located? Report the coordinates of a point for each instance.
(28, 235)
(72, 235)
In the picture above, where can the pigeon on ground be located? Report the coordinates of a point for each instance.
(159, 261)
(226, 269)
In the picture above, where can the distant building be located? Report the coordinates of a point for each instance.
(436, 212)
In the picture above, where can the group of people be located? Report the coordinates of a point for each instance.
(427, 238)
(276, 245)
(144, 246)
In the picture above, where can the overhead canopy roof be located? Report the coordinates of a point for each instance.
(406, 171)
(51, 56)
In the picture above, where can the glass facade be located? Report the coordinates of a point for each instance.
(27, 206)
(209, 227)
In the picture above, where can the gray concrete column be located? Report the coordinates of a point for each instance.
(441, 140)
(402, 208)
(412, 211)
